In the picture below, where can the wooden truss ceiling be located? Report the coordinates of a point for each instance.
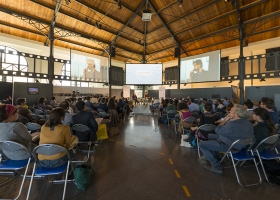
(91, 26)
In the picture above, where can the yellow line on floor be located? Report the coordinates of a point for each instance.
(177, 173)
(160, 153)
(186, 191)
(171, 162)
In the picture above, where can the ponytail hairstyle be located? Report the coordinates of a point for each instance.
(264, 114)
(55, 118)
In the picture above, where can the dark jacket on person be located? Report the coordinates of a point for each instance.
(234, 130)
(102, 106)
(200, 77)
(86, 118)
(261, 132)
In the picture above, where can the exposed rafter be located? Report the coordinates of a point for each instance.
(102, 13)
(128, 21)
(168, 29)
(84, 21)
(33, 20)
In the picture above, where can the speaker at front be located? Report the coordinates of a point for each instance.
(113, 52)
(177, 52)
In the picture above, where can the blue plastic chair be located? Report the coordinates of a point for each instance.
(14, 165)
(48, 150)
(242, 156)
(33, 126)
(268, 153)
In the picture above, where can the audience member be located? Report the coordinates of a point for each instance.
(112, 110)
(42, 104)
(54, 132)
(171, 106)
(89, 104)
(21, 102)
(264, 127)
(53, 102)
(102, 105)
(249, 107)
(268, 104)
(183, 111)
(7, 100)
(25, 113)
(201, 106)
(193, 106)
(86, 118)
(72, 108)
(14, 131)
(68, 121)
(225, 101)
(226, 133)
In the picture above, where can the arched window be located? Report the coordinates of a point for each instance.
(11, 60)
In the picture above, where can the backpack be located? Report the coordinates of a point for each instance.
(82, 176)
(162, 120)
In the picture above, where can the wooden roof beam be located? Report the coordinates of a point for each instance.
(84, 21)
(168, 29)
(5, 10)
(128, 21)
(109, 16)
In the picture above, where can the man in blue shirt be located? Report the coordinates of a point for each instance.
(268, 104)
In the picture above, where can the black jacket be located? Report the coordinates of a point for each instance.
(86, 118)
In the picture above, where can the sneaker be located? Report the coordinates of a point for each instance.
(215, 170)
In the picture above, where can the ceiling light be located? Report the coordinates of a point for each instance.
(180, 2)
(230, 81)
(227, 0)
(262, 79)
(67, 2)
(147, 15)
(119, 5)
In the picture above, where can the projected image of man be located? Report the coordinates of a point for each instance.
(89, 71)
(198, 74)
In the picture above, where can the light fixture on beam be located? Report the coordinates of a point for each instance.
(119, 5)
(180, 2)
(262, 79)
(67, 2)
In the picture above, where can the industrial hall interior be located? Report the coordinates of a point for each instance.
(140, 99)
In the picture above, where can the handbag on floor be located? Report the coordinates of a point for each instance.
(102, 132)
(82, 174)
(114, 131)
(183, 143)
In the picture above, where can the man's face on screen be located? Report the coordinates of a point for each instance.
(196, 67)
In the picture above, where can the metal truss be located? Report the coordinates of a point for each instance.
(59, 33)
(41, 27)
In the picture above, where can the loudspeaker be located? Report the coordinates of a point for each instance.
(113, 52)
(176, 52)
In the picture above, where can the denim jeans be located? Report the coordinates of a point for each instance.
(54, 163)
(212, 146)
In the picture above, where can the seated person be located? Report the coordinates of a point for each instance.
(88, 103)
(42, 104)
(14, 131)
(70, 109)
(7, 100)
(53, 102)
(226, 133)
(268, 104)
(220, 107)
(67, 121)
(54, 132)
(183, 112)
(249, 106)
(21, 102)
(121, 108)
(86, 118)
(228, 108)
(193, 106)
(171, 106)
(201, 106)
(102, 105)
(113, 112)
(264, 127)
(25, 113)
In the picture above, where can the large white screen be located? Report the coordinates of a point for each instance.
(200, 68)
(143, 74)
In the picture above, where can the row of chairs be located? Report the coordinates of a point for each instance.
(269, 153)
(38, 171)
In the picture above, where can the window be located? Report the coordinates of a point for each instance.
(65, 71)
(11, 60)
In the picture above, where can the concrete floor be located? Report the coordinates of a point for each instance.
(146, 162)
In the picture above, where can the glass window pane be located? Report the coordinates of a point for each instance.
(66, 83)
(30, 62)
(41, 66)
(233, 68)
(20, 79)
(11, 58)
(58, 68)
(8, 67)
(23, 68)
(84, 84)
(30, 80)
(22, 60)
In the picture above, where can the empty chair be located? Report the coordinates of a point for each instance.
(49, 150)
(242, 156)
(14, 165)
(33, 127)
(269, 153)
(206, 128)
(78, 130)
